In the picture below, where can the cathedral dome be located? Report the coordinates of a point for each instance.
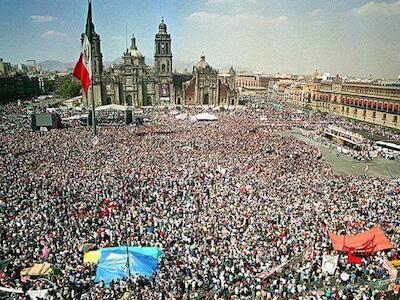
(133, 50)
(202, 64)
(135, 53)
(162, 28)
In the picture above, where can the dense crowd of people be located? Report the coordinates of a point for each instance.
(227, 201)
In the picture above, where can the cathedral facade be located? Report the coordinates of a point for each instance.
(133, 83)
(206, 87)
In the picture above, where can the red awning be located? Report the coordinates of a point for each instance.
(369, 241)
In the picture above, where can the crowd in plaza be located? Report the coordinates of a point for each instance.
(227, 201)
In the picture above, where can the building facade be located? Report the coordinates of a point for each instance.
(133, 83)
(5, 67)
(378, 104)
(206, 87)
(373, 102)
(18, 86)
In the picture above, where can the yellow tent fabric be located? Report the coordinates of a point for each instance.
(395, 263)
(38, 270)
(91, 257)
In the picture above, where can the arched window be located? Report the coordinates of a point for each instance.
(163, 68)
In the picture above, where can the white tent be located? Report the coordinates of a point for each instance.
(182, 116)
(204, 117)
(75, 117)
(138, 111)
(388, 145)
(72, 100)
(111, 107)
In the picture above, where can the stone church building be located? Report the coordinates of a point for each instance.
(133, 83)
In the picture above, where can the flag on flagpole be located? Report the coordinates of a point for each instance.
(83, 68)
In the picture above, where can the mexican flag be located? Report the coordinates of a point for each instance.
(83, 68)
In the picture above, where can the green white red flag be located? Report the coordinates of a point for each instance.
(83, 68)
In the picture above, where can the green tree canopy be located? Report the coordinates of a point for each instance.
(69, 88)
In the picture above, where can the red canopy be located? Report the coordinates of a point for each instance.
(370, 241)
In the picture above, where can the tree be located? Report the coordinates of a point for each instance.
(69, 88)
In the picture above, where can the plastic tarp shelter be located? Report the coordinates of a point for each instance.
(396, 263)
(91, 257)
(113, 262)
(370, 241)
(204, 117)
(388, 145)
(38, 270)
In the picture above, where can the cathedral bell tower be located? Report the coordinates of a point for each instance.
(97, 61)
(163, 62)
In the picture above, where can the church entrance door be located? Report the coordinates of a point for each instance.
(147, 101)
(205, 99)
(129, 100)
(108, 101)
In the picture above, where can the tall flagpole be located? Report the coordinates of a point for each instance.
(91, 80)
(128, 265)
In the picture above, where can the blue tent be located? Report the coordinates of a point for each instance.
(113, 263)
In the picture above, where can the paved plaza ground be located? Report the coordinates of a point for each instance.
(344, 164)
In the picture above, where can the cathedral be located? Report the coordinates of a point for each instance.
(133, 83)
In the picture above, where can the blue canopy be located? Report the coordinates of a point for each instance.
(113, 263)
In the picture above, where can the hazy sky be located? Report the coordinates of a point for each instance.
(353, 37)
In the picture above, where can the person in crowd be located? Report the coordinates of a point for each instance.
(227, 201)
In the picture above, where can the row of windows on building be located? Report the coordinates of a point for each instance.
(384, 116)
(378, 105)
(379, 92)
(247, 83)
(346, 110)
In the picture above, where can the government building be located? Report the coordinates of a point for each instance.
(133, 83)
(376, 102)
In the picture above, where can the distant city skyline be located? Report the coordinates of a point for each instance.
(354, 38)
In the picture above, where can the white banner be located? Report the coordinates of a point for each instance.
(10, 290)
(390, 268)
(329, 264)
(38, 294)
